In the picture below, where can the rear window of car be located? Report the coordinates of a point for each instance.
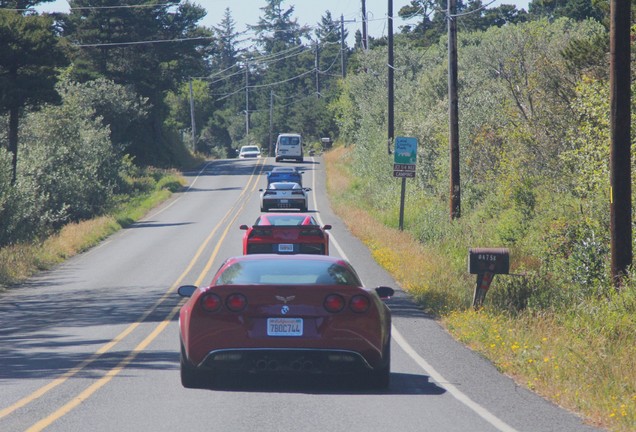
(284, 176)
(284, 272)
(284, 220)
(284, 186)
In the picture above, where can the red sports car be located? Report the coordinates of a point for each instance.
(286, 233)
(304, 314)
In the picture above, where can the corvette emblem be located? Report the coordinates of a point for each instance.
(285, 299)
(284, 310)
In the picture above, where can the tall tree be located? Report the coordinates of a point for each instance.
(329, 37)
(472, 15)
(152, 47)
(578, 10)
(225, 81)
(276, 29)
(287, 72)
(29, 56)
(22, 6)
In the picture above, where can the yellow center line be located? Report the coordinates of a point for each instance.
(89, 391)
(108, 346)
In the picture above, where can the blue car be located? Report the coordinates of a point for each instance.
(278, 175)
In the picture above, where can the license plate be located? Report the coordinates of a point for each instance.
(284, 201)
(284, 326)
(285, 247)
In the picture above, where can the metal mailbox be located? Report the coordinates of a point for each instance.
(486, 263)
(488, 260)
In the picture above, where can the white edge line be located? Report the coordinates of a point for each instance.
(454, 391)
(432, 373)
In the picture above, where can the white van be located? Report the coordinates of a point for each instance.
(289, 146)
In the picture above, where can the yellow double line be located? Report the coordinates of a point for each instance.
(228, 219)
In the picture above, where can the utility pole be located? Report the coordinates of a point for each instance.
(271, 121)
(343, 49)
(365, 41)
(620, 157)
(192, 122)
(247, 104)
(317, 67)
(391, 119)
(455, 190)
(343, 65)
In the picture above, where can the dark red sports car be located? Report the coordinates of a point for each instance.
(286, 233)
(294, 314)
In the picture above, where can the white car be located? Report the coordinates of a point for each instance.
(250, 151)
(284, 195)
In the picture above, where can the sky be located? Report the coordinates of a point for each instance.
(307, 12)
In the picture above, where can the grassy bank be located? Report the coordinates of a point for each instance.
(582, 357)
(19, 261)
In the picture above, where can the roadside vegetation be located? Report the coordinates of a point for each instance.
(534, 155)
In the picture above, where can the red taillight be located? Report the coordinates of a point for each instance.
(260, 233)
(211, 302)
(312, 232)
(359, 303)
(334, 303)
(236, 302)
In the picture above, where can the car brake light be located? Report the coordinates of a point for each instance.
(236, 302)
(297, 192)
(334, 303)
(260, 233)
(359, 303)
(312, 232)
(211, 302)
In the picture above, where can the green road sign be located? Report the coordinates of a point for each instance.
(405, 150)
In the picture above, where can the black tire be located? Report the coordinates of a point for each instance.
(190, 376)
(303, 209)
(380, 378)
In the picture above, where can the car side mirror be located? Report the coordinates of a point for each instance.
(385, 292)
(307, 189)
(326, 227)
(243, 227)
(260, 190)
(186, 290)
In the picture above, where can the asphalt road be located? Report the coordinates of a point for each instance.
(93, 344)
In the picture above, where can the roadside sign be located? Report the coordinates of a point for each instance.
(404, 174)
(405, 150)
(405, 157)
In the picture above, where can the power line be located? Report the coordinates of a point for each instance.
(142, 42)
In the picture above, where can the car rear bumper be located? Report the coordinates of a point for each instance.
(287, 360)
(290, 204)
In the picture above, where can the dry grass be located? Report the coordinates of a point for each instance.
(18, 262)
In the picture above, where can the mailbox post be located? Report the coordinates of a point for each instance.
(486, 263)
